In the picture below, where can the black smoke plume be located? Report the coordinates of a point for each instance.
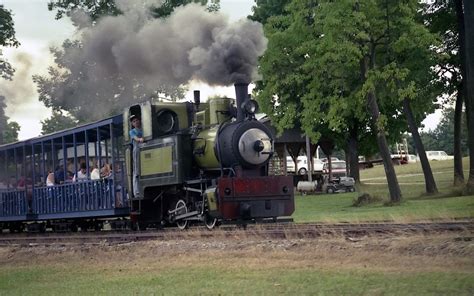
(129, 57)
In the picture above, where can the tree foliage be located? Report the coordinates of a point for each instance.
(8, 129)
(7, 39)
(326, 58)
(93, 8)
(265, 9)
(440, 17)
(10, 135)
(442, 138)
(96, 9)
(57, 122)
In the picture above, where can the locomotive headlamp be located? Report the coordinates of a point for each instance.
(250, 107)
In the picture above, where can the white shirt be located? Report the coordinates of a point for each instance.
(79, 176)
(50, 180)
(95, 174)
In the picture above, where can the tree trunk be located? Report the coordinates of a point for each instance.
(430, 183)
(469, 52)
(458, 169)
(393, 187)
(354, 153)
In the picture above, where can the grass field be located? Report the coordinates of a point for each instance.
(416, 206)
(209, 280)
(379, 266)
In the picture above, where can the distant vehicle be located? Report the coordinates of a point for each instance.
(438, 155)
(332, 159)
(341, 184)
(412, 158)
(303, 165)
(338, 168)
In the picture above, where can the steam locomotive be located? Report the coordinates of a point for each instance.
(200, 162)
(206, 161)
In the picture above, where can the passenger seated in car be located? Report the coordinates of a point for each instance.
(81, 174)
(50, 179)
(95, 174)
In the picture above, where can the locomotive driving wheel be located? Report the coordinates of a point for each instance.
(180, 209)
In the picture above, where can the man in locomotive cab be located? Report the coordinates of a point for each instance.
(136, 137)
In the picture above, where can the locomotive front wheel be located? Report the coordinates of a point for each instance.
(181, 209)
(210, 222)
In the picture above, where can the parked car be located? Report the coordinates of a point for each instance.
(438, 155)
(332, 159)
(338, 168)
(303, 165)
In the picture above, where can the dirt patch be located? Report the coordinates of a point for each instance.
(415, 253)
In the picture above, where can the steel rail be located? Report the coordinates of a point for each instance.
(264, 231)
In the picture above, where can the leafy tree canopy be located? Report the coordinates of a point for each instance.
(442, 137)
(440, 17)
(311, 69)
(7, 38)
(8, 129)
(264, 9)
(10, 135)
(96, 9)
(57, 122)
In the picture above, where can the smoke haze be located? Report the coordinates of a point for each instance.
(190, 43)
(20, 91)
(127, 58)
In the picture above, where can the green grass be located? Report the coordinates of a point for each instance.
(416, 205)
(207, 280)
(338, 208)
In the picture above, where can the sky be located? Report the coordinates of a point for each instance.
(37, 30)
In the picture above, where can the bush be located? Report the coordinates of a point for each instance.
(365, 199)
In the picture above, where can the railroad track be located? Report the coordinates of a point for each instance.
(262, 231)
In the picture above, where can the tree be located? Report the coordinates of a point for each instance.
(7, 38)
(340, 58)
(11, 133)
(469, 63)
(443, 133)
(57, 122)
(264, 9)
(446, 18)
(8, 130)
(97, 9)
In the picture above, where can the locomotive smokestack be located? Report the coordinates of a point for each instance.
(197, 99)
(241, 96)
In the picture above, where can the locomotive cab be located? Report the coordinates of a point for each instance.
(162, 161)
